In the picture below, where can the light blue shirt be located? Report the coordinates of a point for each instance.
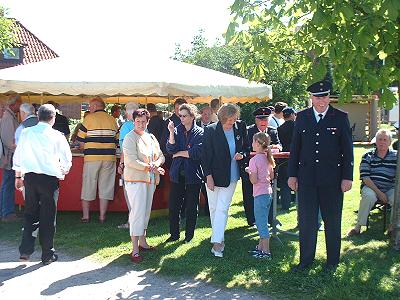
(127, 127)
(316, 114)
(230, 137)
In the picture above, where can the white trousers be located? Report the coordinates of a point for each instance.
(368, 199)
(219, 202)
(140, 198)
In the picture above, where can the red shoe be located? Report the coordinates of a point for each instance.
(353, 232)
(136, 258)
(150, 248)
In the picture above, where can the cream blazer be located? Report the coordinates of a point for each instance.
(139, 151)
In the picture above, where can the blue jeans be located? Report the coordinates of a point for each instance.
(7, 193)
(262, 203)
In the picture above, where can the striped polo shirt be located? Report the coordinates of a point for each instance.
(99, 133)
(382, 171)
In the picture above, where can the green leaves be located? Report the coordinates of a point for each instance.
(8, 37)
(356, 36)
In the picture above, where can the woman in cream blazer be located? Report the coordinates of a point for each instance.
(142, 159)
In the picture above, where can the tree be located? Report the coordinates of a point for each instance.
(229, 59)
(8, 37)
(358, 38)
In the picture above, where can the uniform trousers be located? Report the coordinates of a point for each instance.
(179, 192)
(140, 198)
(329, 199)
(248, 199)
(368, 199)
(219, 202)
(40, 212)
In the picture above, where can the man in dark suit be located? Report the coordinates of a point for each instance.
(285, 133)
(164, 137)
(261, 115)
(320, 170)
(205, 118)
(204, 121)
(62, 122)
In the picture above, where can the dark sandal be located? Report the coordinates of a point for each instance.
(150, 248)
(84, 220)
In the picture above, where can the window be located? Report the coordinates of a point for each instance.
(13, 54)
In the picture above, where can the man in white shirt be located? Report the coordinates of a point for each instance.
(277, 119)
(41, 159)
(215, 104)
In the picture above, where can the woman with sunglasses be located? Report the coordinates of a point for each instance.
(185, 144)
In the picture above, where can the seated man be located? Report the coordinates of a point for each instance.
(378, 174)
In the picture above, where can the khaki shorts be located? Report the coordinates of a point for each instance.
(98, 173)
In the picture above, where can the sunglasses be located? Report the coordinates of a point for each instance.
(183, 116)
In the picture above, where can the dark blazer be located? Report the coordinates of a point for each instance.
(216, 158)
(198, 123)
(321, 154)
(285, 133)
(62, 124)
(271, 131)
(192, 141)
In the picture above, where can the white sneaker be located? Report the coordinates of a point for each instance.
(217, 253)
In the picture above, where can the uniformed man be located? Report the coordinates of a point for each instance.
(261, 115)
(320, 170)
(285, 133)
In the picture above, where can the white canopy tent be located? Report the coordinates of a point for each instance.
(72, 79)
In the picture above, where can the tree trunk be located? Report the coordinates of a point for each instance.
(396, 204)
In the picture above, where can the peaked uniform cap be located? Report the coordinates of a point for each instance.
(262, 112)
(320, 88)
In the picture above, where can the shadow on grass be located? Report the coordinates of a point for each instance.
(369, 268)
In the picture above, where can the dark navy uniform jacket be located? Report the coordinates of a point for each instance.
(271, 131)
(285, 134)
(321, 154)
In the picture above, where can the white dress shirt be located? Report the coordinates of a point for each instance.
(275, 122)
(42, 150)
(316, 114)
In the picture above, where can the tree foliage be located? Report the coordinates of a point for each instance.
(8, 37)
(235, 60)
(359, 39)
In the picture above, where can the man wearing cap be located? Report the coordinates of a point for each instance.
(285, 133)
(261, 115)
(320, 170)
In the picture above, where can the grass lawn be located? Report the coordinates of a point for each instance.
(369, 269)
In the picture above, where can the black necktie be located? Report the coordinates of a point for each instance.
(320, 117)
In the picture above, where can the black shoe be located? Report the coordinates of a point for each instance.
(330, 268)
(50, 260)
(300, 268)
(188, 239)
(24, 257)
(171, 239)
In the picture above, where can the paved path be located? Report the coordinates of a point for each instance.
(71, 278)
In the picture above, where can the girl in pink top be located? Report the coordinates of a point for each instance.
(261, 172)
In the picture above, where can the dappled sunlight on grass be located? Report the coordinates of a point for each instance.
(248, 279)
(369, 267)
